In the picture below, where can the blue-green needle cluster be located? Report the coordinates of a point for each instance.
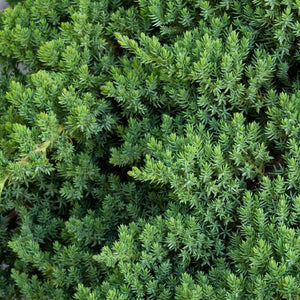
(150, 149)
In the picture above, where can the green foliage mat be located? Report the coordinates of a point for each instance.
(150, 149)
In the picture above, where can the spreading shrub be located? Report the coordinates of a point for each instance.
(150, 149)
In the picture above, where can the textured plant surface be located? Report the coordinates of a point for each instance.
(150, 149)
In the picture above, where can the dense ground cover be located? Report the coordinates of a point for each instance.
(150, 150)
